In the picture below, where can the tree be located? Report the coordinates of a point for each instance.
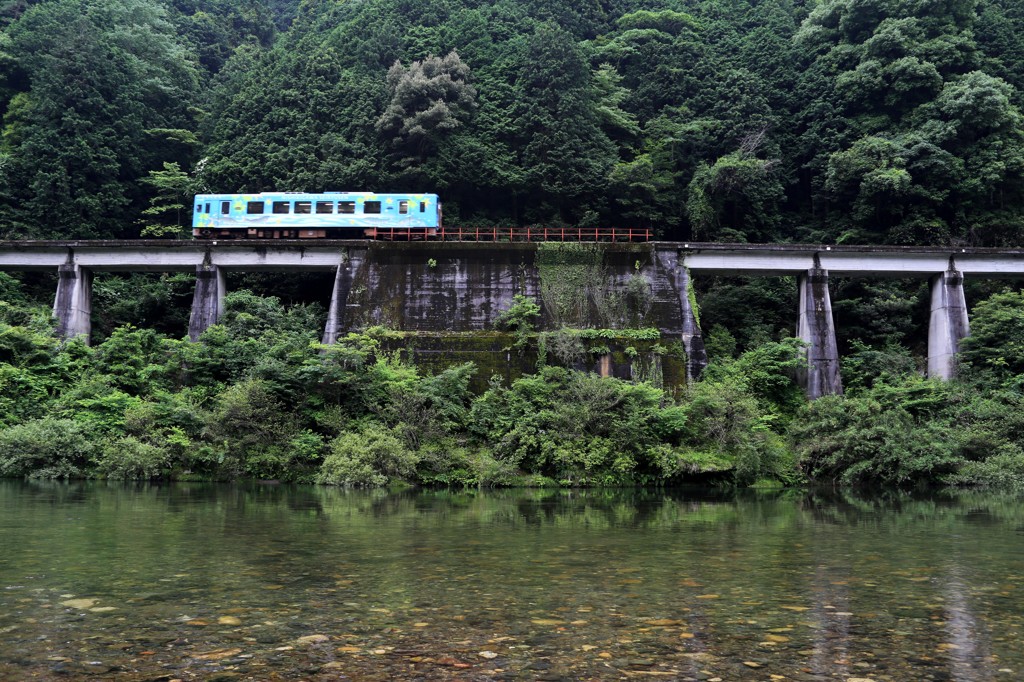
(910, 154)
(97, 77)
(429, 99)
(996, 344)
(565, 155)
(169, 209)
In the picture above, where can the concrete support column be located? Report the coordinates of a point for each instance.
(208, 300)
(948, 324)
(337, 317)
(817, 329)
(73, 305)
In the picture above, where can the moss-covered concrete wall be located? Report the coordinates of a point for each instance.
(447, 297)
(445, 286)
(495, 355)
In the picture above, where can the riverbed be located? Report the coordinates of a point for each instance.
(266, 582)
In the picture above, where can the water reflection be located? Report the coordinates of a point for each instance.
(199, 581)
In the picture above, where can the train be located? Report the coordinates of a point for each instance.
(308, 215)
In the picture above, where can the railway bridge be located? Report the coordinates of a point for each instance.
(445, 286)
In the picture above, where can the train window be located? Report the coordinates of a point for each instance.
(207, 208)
(225, 207)
(325, 207)
(199, 208)
(371, 207)
(346, 207)
(303, 207)
(254, 208)
(403, 206)
(281, 206)
(423, 207)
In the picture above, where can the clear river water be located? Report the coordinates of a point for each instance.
(204, 582)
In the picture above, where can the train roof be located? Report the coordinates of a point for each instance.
(333, 193)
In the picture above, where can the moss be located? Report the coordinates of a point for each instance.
(571, 274)
(691, 295)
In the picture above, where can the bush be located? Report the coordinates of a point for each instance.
(1003, 470)
(251, 431)
(371, 456)
(866, 440)
(130, 459)
(995, 348)
(47, 448)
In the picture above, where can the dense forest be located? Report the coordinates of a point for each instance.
(840, 121)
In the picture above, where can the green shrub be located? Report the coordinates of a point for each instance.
(130, 459)
(371, 456)
(1004, 470)
(250, 429)
(47, 448)
(994, 352)
(862, 440)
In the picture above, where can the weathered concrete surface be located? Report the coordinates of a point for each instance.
(817, 329)
(465, 287)
(207, 301)
(493, 354)
(948, 324)
(337, 315)
(678, 279)
(439, 287)
(72, 306)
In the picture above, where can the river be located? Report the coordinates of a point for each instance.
(206, 582)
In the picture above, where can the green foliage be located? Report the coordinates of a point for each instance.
(995, 348)
(571, 274)
(86, 149)
(866, 365)
(429, 99)
(893, 434)
(251, 433)
(169, 213)
(520, 317)
(836, 121)
(370, 456)
(129, 459)
(47, 448)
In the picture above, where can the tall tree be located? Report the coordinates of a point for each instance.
(429, 99)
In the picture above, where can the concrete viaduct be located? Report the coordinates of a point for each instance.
(451, 294)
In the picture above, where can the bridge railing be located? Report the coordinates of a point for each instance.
(521, 234)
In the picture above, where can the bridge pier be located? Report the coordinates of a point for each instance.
(337, 319)
(72, 306)
(817, 329)
(207, 301)
(948, 324)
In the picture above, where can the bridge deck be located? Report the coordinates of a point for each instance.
(730, 259)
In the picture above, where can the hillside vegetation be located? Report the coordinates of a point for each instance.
(839, 121)
(878, 121)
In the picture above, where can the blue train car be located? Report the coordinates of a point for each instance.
(301, 215)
